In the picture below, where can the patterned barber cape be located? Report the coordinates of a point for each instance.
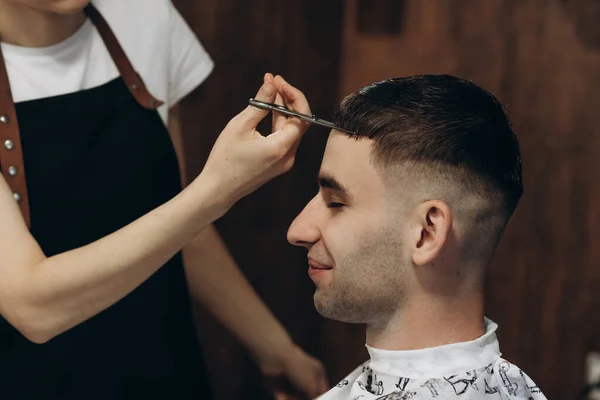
(460, 371)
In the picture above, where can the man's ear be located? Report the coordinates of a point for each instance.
(431, 231)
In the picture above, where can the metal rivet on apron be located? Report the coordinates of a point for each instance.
(4, 119)
(12, 170)
(134, 86)
(17, 197)
(8, 144)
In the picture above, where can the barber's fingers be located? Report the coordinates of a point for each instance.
(287, 136)
(251, 116)
(284, 396)
(323, 385)
(293, 98)
(278, 118)
(286, 141)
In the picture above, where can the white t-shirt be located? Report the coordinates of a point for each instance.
(461, 371)
(158, 42)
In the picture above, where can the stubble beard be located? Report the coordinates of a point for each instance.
(368, 285)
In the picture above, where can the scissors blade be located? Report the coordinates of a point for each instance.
(286, 111)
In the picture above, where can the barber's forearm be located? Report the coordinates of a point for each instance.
(64, 290)
(216, 281)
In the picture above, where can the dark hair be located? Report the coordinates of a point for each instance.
(440, 120)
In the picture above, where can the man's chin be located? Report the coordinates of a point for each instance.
(331, 309)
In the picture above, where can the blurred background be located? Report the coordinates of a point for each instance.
(540, 58)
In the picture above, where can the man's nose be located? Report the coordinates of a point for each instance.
(304, 229)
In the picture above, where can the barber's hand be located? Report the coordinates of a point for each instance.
(242, 159)
(295, 375)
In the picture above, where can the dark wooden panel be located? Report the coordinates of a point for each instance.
(301, 41)
(542, 60)
(380, 17)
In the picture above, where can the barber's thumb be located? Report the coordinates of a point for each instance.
(251, 116)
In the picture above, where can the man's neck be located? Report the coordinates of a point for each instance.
(24, 26)
(425, 323)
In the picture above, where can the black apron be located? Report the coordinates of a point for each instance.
(95, 161)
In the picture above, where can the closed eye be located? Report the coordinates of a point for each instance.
(335, 205)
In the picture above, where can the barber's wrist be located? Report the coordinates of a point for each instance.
(271, 357)
(210, 195)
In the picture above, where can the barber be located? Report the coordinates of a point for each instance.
(94, 288)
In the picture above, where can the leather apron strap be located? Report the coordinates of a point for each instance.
(130, 76)
(11, 153)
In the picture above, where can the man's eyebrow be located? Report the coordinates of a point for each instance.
(329, 182)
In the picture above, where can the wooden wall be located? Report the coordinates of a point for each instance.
(541, 58)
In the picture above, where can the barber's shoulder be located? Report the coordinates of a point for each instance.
(142, 28)
(160, 45)
(131, 16)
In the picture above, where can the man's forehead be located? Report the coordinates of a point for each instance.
(348, 161)
(340, 147)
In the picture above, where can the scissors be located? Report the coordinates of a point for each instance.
(286, 111)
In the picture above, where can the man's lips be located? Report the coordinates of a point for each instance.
(312, 264)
